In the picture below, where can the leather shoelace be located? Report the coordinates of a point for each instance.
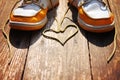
(6, 36)
(114, 48)
(10, 55)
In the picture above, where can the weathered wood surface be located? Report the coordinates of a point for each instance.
(19, 41)
(83, 57)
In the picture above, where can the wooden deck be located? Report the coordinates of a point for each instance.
(83, 57)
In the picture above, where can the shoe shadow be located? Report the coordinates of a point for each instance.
(19, 39)
(98, 39)
(23, 39)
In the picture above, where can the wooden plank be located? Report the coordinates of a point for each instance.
(15, 69)
(19, 45)
(49, 60)
(114, 5)
(100, 46)
(2, 3)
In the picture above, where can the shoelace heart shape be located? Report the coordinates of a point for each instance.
(60, 35)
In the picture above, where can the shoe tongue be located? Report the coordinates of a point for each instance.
(27, 11)
(96, 9)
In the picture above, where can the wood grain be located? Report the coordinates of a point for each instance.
(114, 5)
(49, 60)
(83, 57)
(19, 45)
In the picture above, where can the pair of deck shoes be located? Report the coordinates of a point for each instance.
(93, 15)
